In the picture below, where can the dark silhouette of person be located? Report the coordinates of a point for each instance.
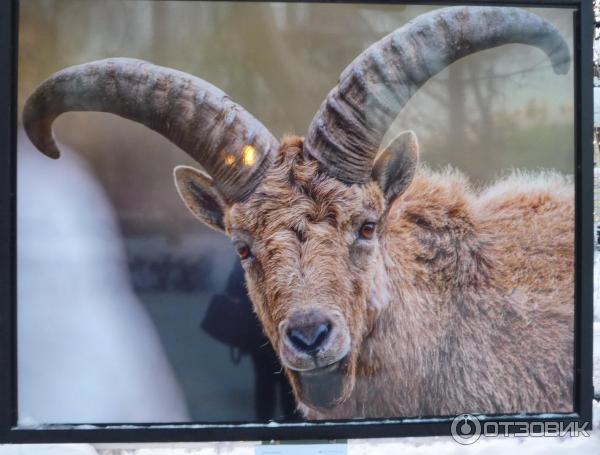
(230, 319)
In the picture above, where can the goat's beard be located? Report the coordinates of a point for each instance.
(324, 390)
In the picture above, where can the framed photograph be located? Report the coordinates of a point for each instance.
(294, 220)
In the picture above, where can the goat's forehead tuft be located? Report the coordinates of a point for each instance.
(295, 192)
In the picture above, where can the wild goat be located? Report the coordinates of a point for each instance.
(386, 289)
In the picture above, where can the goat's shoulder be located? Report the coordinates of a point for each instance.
(531, 192)
(435, 201)
(445, 199)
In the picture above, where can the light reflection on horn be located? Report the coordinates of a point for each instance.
(249, 155)
(229, 159)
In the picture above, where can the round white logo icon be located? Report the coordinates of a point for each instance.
(465, 429)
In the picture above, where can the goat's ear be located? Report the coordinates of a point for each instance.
(201, 196)
(395, 167)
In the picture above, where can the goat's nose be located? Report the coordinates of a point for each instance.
(308, 333)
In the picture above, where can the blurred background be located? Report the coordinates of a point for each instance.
(172, 281)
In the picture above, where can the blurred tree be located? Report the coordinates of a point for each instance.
(279, 60)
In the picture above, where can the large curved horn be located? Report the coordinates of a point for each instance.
(231, 145)
(346, 133)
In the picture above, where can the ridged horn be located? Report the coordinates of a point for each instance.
(346, 133)
(229, 143)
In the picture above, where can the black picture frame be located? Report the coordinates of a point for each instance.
(105, 433)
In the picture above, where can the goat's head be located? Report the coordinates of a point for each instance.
(305, 216)
(310, 247)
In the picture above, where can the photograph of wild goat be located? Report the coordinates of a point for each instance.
(386, 288)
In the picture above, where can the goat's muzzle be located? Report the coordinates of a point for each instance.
(314, 345)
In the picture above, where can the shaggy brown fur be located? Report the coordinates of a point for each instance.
(462, 303)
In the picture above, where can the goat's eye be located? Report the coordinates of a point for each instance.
(367, 230)
(243, 250)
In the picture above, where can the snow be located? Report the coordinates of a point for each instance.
(596, 102)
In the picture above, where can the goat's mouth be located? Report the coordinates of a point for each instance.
(323, 387)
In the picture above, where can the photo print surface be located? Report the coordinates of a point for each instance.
(293, 211)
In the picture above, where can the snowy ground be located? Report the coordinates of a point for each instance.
(417, 446)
